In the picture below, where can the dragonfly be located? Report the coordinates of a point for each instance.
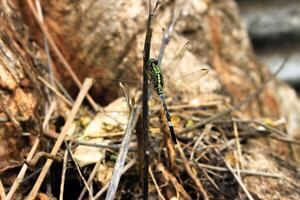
(157, 76)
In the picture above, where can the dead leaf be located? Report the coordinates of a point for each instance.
(116, 116)
(85, 155)
(104, 174)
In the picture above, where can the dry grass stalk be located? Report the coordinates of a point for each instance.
(63, 176)
(55, 91)
(58, 52)
(239, 181)
(86, 85)
(191, 173)
(105, 187)
(238, 106)
(78, 170)
(169, 177)
(2, 191)
(90, 179)
(156, 185)
(135, 113)
(23, 170)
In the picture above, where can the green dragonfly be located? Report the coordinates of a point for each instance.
(157, 75)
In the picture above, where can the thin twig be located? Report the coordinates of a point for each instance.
(126, 95)
(239, 181)
(32, 163)
(191, 172)
(6, 119)
(156, 185)
(30, 176)
(291, 141)
(93, 174)
(55, 91)
(108, 146)
(246, 101)
(105, 187)
(271, 129)
(46, 46)
(63, 90)
(239, 161)
(68, 146)
(210, 180)
(86, 85)
(58, 53)
(169, 177)
(23, 170)
(2, 191)
(144, 137)
(206, 131)
(63, 176)
(167, 37)
(91, 188)
(279, 133)
(123, 153)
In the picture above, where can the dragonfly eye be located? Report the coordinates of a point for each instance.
(152, 62)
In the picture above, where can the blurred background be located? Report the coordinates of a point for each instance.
(274, 29)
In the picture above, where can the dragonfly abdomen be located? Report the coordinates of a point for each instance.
(158, 83)
(168, 116)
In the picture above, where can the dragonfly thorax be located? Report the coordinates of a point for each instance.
(156, 76)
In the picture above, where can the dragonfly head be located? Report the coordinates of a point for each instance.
(152, 62)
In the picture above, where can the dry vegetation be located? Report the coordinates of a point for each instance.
(237, 134)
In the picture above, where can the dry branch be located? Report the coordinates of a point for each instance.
(59, 54)
(247, 100)
(23, 170)
(85, 87)
(63, 176)
(239, 181)
(198, 171)
(192, 174)
(135, 113)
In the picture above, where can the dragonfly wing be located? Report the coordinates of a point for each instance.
(170, 68)
(189, 78)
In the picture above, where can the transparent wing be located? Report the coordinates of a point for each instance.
(188, 78)
(170, 68)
